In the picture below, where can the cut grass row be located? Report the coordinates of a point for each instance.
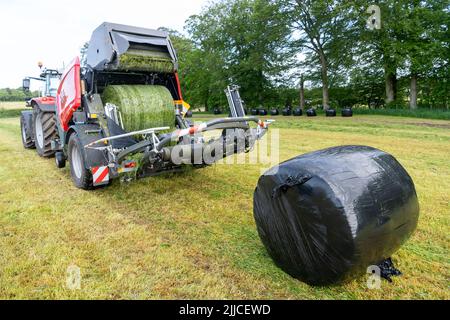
(193, 235)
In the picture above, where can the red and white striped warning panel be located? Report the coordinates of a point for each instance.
(100, 175)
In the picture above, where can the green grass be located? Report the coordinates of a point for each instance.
(192, 235)
(437, 114)
(11, 109)
(419, 113)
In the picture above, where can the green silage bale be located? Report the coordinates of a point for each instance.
(142, 106)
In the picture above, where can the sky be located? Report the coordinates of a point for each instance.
(53, 31)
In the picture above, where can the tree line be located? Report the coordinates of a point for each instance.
(317, 53)
(8, 94)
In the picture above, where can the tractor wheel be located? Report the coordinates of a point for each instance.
(27, 140)
(44, 132)
(82, 177)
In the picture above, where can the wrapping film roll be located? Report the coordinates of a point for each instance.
(142, 107)
(326, 216)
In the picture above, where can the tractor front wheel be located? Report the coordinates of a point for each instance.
(44, 132)
(27, 140)
(82, 177)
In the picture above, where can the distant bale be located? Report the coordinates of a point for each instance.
(330, 113)
(274, 112)
(347, 112)
(311, 113)
(298, 112)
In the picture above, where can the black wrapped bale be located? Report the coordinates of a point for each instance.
(298, 112)
(287, 112)
(331, 113)
(274, 112)
(217, 111)
(262, 112)
(347, 112)
(326, 216)
(254, 112)
(311, 113)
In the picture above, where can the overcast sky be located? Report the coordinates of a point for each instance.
(53, 31)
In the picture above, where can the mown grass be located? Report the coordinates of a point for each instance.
(442, 114)
(437, 114)
(192, 235)
(11, 109)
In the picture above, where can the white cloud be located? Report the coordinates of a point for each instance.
(53, 31)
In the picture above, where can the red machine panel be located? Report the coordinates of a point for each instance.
(68, 98)
(45, 100)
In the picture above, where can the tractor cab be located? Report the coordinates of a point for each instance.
(50, 79)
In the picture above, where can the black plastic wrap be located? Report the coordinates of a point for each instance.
(262, 112)
(347, 112)
(330, 113)
(311, 113)
(298, 112)
(274, 112)
(326, 216)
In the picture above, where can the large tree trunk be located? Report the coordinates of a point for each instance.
(391, 84)
(206, 101)
(302, 92)
(413, 92)
(325, 93)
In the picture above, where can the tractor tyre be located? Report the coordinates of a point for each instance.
(44, 124)
(27, 139)
(81, 177)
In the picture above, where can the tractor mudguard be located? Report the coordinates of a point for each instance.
(44, 107)
(88, 133)
(28, 116)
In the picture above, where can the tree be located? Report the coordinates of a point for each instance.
(207, 72)
(83, 53)
(302, 92)
(423, 35)
(243, 42)
(323, 28)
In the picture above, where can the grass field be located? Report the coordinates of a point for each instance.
(193, 235)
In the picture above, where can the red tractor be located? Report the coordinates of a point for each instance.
(104, 139)
(39, 125)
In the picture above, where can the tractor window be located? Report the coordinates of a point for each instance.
(53, 86)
